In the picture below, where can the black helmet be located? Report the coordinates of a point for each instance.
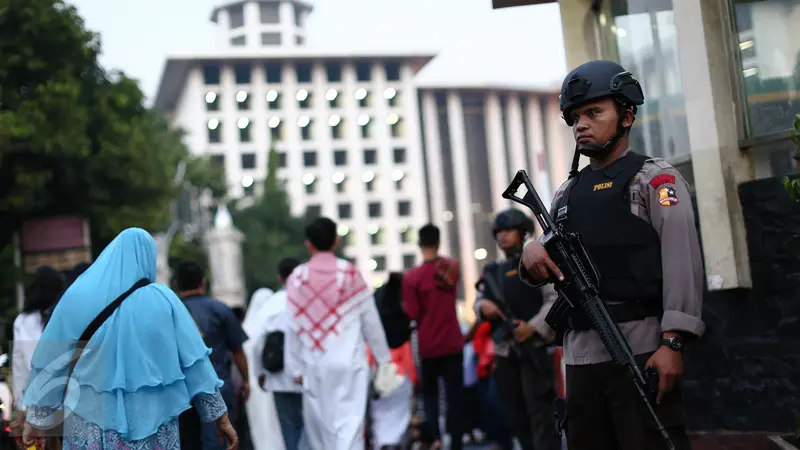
(512, 219)
(599, 79)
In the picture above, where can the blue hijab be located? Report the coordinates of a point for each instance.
(143, 365)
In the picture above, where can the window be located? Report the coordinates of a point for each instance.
(298, 16)
(282, 163)
(407, 236)
(274, 100)
(299, 40)
(310, 158)
(333, 98)
(370, 185)
(244, 130)
(337, 131)
(305, 103)
(242, 73)
(270, 12)
(305, 132)
(380, 263)
(397, 129)
(270, 39)
(212, 101)
(248, 160)
(334, 72)
(409, 261)
(392, 69)
(394, 101)
(374, 209)
(340, 157)
(243, 101)
(236, 15)
(770, 56)
(276, 132)
(370, 156)
(661, 129)
(273, 72)
(214, 133)
(313, 211)
(249, 190)
(218, 160)
(239, 41)
(366, 130)
(376, 238)
(311, 188)
(404, 208)
(399, 155)
(363, 98)
(364, 71)
(303, 72)
(341, 186)
(211, 74)
(345, 210)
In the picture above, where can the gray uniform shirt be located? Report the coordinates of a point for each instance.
(544, 334)
(681, 263)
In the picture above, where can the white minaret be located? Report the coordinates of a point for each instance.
(224, 243)
(253, 24)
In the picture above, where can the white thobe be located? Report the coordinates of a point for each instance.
(28, 329)
(265, 432)
(333, 313)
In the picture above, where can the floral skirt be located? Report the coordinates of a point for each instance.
(82, 435)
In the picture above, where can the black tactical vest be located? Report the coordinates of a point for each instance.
(625, 248)
(521, 299)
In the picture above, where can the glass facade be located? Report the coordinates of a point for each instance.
(768, 38)
(641, 35)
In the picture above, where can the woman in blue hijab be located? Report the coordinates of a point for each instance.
(139, 371)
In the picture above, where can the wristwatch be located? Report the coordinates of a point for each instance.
(673, 343)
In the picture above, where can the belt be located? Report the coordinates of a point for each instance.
(621, 312)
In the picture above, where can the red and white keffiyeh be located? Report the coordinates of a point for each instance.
(324, 296)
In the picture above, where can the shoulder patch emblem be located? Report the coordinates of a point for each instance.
(511, 273)
(662, 179)
(667, 197)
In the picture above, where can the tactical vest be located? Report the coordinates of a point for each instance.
(625, 248)
(522, 300)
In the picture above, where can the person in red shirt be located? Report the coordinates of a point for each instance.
(429, 298)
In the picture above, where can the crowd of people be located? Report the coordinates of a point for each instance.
(107, 358)
(151, 366)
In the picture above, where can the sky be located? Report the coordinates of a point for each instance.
(520, 46)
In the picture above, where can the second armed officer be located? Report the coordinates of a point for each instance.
(524, 370)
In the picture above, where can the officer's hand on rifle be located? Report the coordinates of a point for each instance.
(538, 263)
(490, 311)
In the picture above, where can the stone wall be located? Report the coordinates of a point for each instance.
(744, 374)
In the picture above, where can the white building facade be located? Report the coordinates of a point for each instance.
(348, 129)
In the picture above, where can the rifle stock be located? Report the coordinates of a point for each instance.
(579, 291)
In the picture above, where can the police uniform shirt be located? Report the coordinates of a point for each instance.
(547, 335)
(659, 196)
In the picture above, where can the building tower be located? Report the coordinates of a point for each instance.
(255, 24)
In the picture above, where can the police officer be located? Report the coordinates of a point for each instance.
(635, 216)
(524, 370)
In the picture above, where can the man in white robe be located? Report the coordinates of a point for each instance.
(333, 313)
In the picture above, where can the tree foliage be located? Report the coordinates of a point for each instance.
(76, 139)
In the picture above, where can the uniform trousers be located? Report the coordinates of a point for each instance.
(605, 411)
(527, 388)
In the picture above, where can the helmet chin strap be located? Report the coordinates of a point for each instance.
(596, 151)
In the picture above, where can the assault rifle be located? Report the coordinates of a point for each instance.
(579, 292)
(503, 331)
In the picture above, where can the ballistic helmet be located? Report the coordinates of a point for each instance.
(595, 80)
(512, 219)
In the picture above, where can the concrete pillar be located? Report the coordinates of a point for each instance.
(719, 165)
(463, 215)
(580, 32)
(516, 139)
(496, 148)
(433, 154)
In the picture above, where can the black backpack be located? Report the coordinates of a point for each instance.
(272, 356)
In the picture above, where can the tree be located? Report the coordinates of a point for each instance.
(75, 139)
